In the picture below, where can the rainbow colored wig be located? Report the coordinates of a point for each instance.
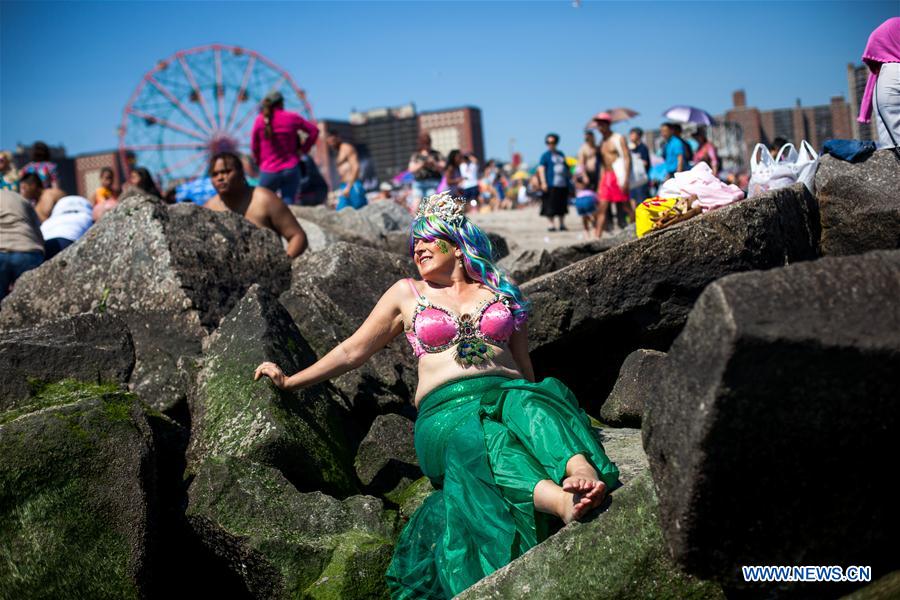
(478, 257)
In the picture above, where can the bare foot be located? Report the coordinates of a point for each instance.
(586, 492)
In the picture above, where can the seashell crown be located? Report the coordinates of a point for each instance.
(443, 206)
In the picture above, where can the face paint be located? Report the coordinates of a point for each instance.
(442, 246)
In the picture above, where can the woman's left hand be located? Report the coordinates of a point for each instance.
(273, 372)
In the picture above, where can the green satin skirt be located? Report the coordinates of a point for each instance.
(485, 442)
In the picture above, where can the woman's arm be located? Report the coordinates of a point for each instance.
(382, 325)
(312, 131)
(518, 345)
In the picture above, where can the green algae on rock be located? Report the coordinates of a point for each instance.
(302, 434)
(76, 495)
(618, 554)
(289, 544)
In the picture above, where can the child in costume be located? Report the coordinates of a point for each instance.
(506, 453)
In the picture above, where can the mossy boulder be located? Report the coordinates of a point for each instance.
(288, 544)
(170, 272)
(411, 497)
(300, 433)
(619, 554)
(93, 348)
(78, 509)
(332, 292)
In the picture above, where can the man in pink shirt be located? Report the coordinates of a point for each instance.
(276, 145)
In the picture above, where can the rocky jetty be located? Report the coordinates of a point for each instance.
(638, 294)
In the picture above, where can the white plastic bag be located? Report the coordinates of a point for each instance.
(806, 165)
(767, 173)
(638, 172)
(802, 165)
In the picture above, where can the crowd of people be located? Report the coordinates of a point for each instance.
(609, 177)
(38, 219)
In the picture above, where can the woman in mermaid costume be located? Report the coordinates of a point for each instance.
(507, 454)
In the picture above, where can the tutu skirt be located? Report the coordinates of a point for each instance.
(485, 442)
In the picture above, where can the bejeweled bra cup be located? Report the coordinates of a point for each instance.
(497, 322)
(434, 329)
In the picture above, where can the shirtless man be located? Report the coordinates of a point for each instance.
(614, 172)
(258, 205)
(352, 192)
(587, 159)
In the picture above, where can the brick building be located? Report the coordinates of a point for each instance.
(87, 171)
(857, 76)
(814, 124)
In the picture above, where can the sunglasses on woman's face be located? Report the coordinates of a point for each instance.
(550, 142)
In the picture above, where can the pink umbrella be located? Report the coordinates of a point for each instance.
(613, 115)
(622, 114)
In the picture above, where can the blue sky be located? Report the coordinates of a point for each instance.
(67, 69)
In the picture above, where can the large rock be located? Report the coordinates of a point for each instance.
(386, 460)
(370, 225)
(77, 496)
(768, 435)
(619, 553)
(860, 204)
(589, 316)
(625, 405)
(288, 544)
(170, 272)
(528, 263)
(92, 348)
(300, 433)
(317, 236)
(331, 294)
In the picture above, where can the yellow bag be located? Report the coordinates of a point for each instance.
(650, 207)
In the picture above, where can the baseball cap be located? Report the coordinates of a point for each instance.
(273, 97)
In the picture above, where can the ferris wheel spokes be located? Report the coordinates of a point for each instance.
(154, 120)
(171, 98)
(242, 91)
(220, 89)
(196, 89)
(182, 163)
(172, 124)
(181, 146)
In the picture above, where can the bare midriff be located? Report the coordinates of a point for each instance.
(440, 367)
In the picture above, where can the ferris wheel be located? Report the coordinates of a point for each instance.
(198, 102)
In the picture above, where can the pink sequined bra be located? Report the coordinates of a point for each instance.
(434, 328)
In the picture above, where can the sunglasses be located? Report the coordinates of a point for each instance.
(549, 142)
